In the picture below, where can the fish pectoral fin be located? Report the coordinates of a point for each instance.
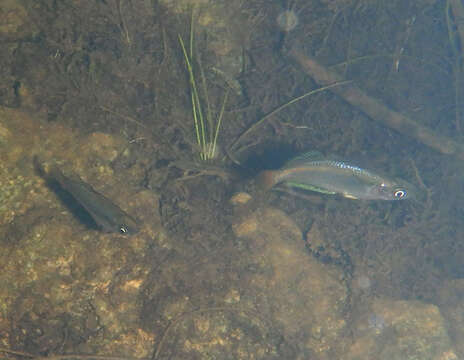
(309, 187)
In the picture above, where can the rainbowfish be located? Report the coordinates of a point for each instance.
(312, 171)
(107, 215)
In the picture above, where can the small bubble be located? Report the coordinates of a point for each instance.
(364, 282)
(287, 20)
(376, 322)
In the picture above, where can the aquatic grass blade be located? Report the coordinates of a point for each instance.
(206, 127)
(218, 126)
(196, 106)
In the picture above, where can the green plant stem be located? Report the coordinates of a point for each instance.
(196, 106)
(218, 126)
(206, 129)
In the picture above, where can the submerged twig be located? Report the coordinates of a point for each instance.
(68, 356)
(457, 9)
(86, 357)
(123, 25)
(193, 170)
(376, 109)
(125, 117)
(159, 139)
(17, 353)
(456, 38)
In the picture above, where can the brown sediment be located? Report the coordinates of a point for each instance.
(375, 108)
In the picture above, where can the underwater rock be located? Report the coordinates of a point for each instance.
(395, 329)
(306, 298)
(240, 198)
(451, 303)
(62, 284)
(14, 21)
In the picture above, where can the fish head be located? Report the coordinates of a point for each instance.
(127, 227)
(389, 191)
(123, 224)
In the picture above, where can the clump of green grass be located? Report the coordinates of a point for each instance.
(206, 125)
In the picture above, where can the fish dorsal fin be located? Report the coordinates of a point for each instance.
(304, 158)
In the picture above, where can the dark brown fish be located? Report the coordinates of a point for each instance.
(107, 215)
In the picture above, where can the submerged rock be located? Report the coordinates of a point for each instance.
(64, 283)
(312, 305)
(396, 329)
(306, 298)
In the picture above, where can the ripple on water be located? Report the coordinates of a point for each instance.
(287, 20)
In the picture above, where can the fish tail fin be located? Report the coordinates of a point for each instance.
(266, 179)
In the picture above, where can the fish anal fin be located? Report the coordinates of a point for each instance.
(349, 196)
(309, 187)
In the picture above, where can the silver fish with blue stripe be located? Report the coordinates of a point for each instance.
(314, 172)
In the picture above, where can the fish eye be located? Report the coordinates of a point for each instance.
(399, 194)
(123, 229)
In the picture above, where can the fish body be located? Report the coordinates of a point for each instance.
(107, 215)
(312, 171)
